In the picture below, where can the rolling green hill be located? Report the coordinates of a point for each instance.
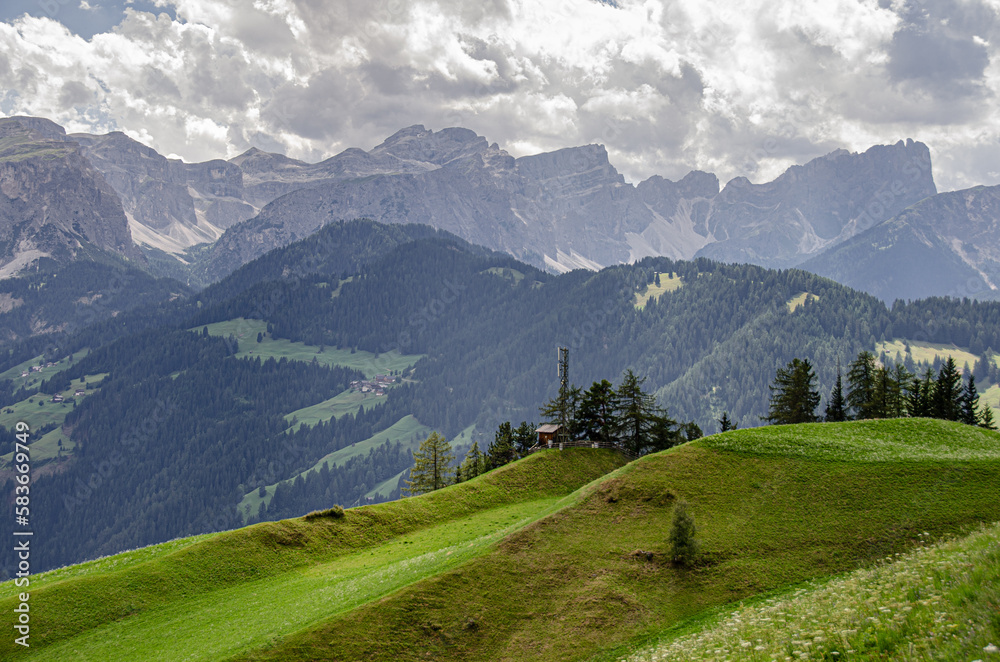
(500, 568)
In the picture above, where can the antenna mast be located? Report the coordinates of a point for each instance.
(563, 358)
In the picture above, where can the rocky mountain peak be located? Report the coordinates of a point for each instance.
(417, 144)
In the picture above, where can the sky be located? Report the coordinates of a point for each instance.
(738, 88)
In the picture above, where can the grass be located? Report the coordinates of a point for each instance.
(893, 440)
(517, 565)
(245, 331)
(35, 378)
(928, 351)
(936, 603)
(348, 402)
(668, 283)
(596, 575)
(407, 430)
(800, 300)
(221, 594)
(38, 411)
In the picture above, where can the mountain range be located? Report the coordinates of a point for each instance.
(560, 210)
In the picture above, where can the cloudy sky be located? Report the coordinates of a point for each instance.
(733, 87)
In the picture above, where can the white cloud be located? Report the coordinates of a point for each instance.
(738, 88)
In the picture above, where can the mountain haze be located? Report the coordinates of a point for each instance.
(948, 244)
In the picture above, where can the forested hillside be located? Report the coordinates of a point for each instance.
(190, 428)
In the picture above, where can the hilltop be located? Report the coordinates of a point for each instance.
(534, 577)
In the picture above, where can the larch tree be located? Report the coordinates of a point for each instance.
(431, 466)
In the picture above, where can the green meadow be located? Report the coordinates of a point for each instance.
(246, 330)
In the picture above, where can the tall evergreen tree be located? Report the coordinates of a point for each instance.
(793, 395)
(474, 462)
(920, 395)
(501, 451)
(861, 381)
(431, 466)
(637, 412)
(524, 437)
(969, 413)
(597, 414)
(836, 408)
(948, 392)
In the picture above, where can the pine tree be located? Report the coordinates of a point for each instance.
(474, 463)
(986, 417)
(598, 419)
(793, 396)
(431, 466)
(920, 396)
(969, 413)
(836, 408)
(948, 392)
(725, 423)
(524, 437)
(861, 380)
(501, 451)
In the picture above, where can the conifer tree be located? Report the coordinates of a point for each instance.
(431, 466)
(683, 546)
(948, 392)
(563, 410)
(501, 451)
(725, 423)
(836, 408)
(986, 417)
(969, 413)
(524, 437)
(861, 380)
(637, 412)
(793, 396)
(474, 463)
(598, 416)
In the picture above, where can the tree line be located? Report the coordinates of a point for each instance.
(878, 390)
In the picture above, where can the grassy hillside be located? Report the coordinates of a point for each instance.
(596, 574)
(500, 569)
(938, 602)
(229, 592)
(245, 331)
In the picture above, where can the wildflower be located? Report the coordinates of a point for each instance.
(990, 648)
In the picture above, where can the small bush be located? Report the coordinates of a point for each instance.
(336, 512)
(683, 546)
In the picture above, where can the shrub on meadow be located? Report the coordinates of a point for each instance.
(683, 546)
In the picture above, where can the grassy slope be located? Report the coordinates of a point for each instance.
(35, 378)
(940, 602)
(36, 415)
(348, 402)
(799, 300)
(774, 506)
(245, 331)
(667, 284)
(130, 608)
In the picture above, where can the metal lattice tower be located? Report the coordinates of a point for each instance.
(563, 358)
